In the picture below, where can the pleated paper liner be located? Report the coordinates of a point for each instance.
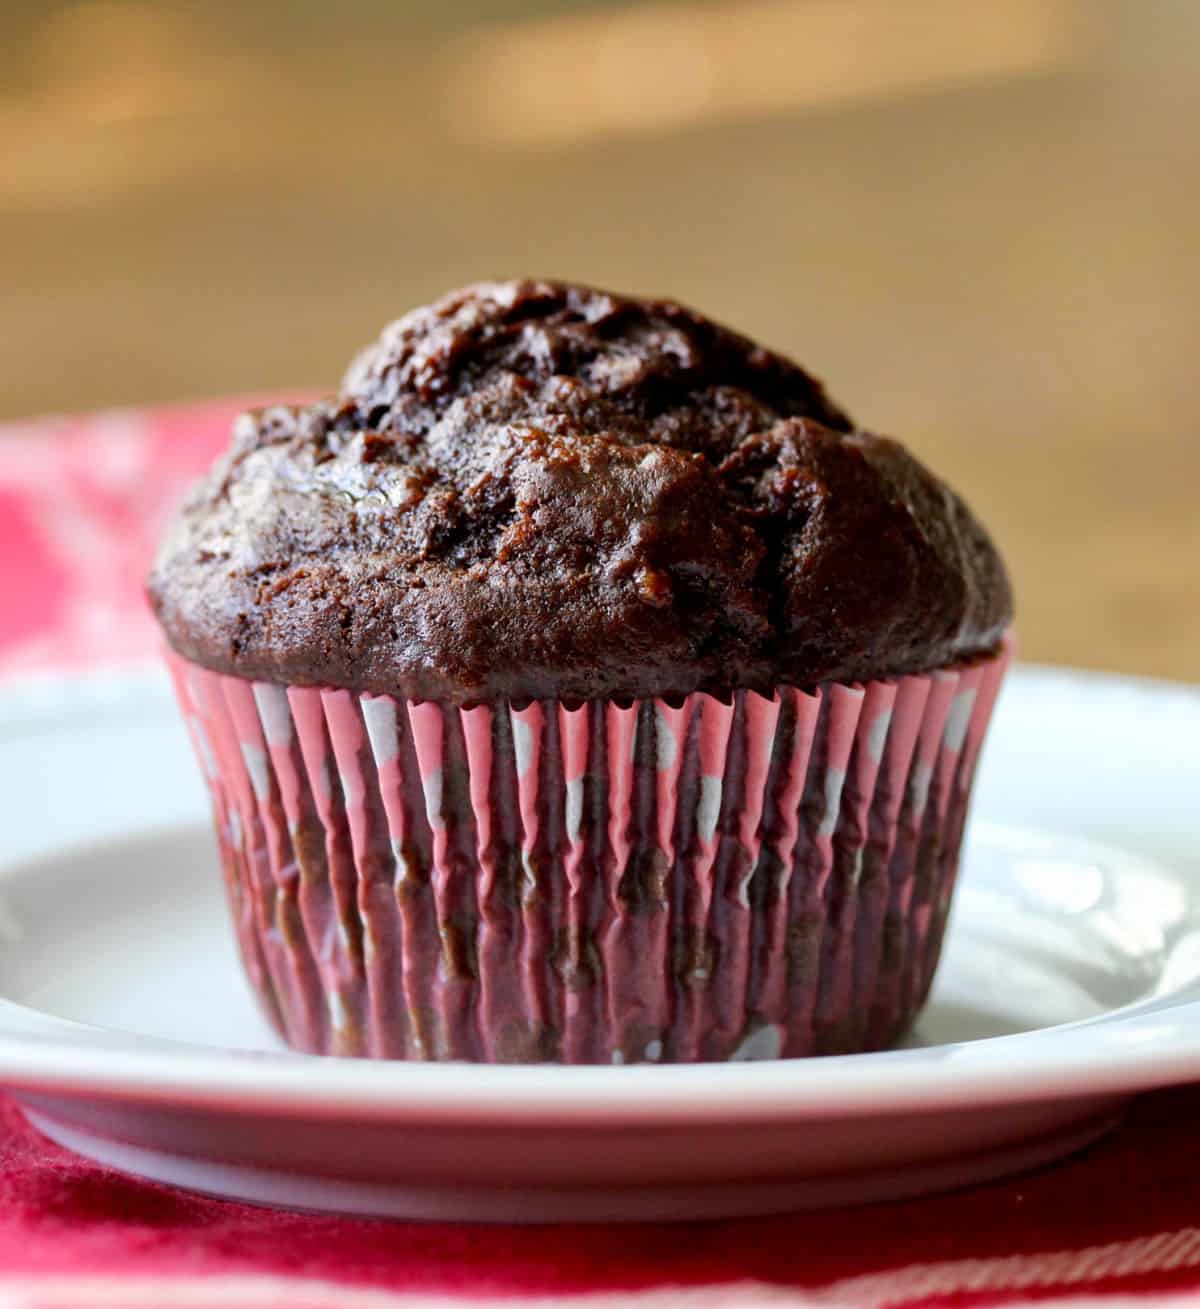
(607, 883)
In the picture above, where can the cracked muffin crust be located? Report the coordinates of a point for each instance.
(532, 489)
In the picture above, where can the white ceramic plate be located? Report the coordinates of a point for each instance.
(1071, 981)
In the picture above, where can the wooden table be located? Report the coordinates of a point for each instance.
(979, 222)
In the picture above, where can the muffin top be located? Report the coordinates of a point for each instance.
(531, 489)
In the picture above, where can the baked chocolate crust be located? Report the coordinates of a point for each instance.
(531, 490)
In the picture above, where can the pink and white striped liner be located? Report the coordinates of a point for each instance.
(607, 882)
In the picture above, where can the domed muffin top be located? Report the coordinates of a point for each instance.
(531, 489)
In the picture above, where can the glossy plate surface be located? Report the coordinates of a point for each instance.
(1071, 980)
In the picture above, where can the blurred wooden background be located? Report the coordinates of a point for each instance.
(978, 220)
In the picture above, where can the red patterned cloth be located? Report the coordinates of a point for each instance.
(81, 503)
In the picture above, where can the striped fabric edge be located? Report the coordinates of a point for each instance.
(1002, 1277)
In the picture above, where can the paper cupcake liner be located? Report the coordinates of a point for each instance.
(602, 883)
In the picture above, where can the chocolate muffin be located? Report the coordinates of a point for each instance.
(579, 684)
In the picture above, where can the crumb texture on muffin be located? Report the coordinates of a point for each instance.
(532, 489)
